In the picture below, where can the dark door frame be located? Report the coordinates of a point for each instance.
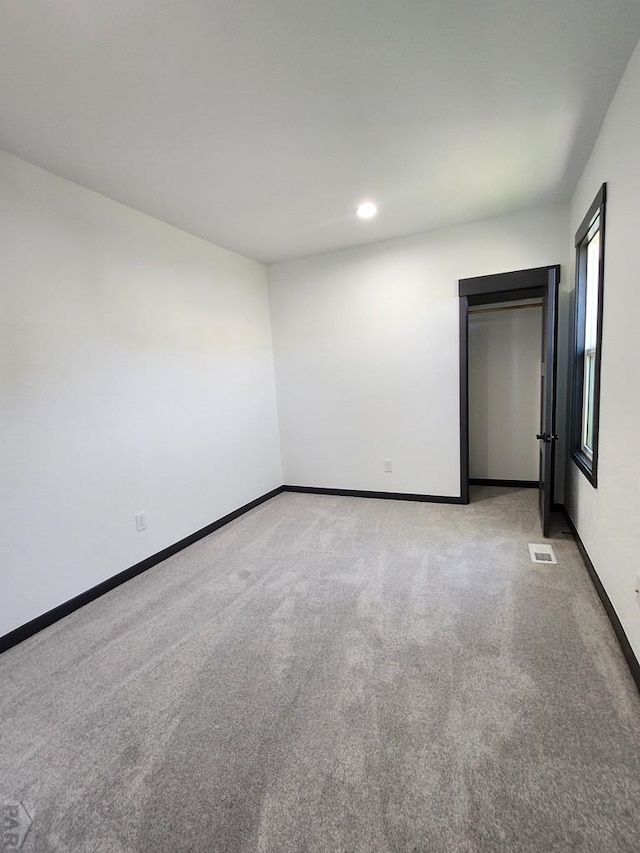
(484, 290)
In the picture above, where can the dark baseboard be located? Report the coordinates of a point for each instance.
(516, 484)
(616, 624)
(51, 616)
(30, 628)
(389, 496)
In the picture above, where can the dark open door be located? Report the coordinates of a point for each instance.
(540, 282)
(547, 436)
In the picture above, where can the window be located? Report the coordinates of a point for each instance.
(588, 335)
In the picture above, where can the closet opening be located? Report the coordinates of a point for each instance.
(508, 342)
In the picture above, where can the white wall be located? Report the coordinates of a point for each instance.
(504, 393)
(366, 351)
(136, 374)
(607, 517)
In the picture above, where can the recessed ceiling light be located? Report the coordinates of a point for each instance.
(366, 210)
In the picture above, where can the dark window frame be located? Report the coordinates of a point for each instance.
(587, 463)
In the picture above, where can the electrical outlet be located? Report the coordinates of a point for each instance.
(141, 521)
(388, 466)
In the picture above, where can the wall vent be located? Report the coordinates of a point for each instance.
(542, 554)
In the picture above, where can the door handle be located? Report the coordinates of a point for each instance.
(547, 437)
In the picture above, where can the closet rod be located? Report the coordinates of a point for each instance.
(505, 308)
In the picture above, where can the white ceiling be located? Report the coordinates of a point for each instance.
(259, 124)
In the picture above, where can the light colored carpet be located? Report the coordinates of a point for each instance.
(334, 674)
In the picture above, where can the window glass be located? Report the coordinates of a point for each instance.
(593, 263)
(589, 289)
